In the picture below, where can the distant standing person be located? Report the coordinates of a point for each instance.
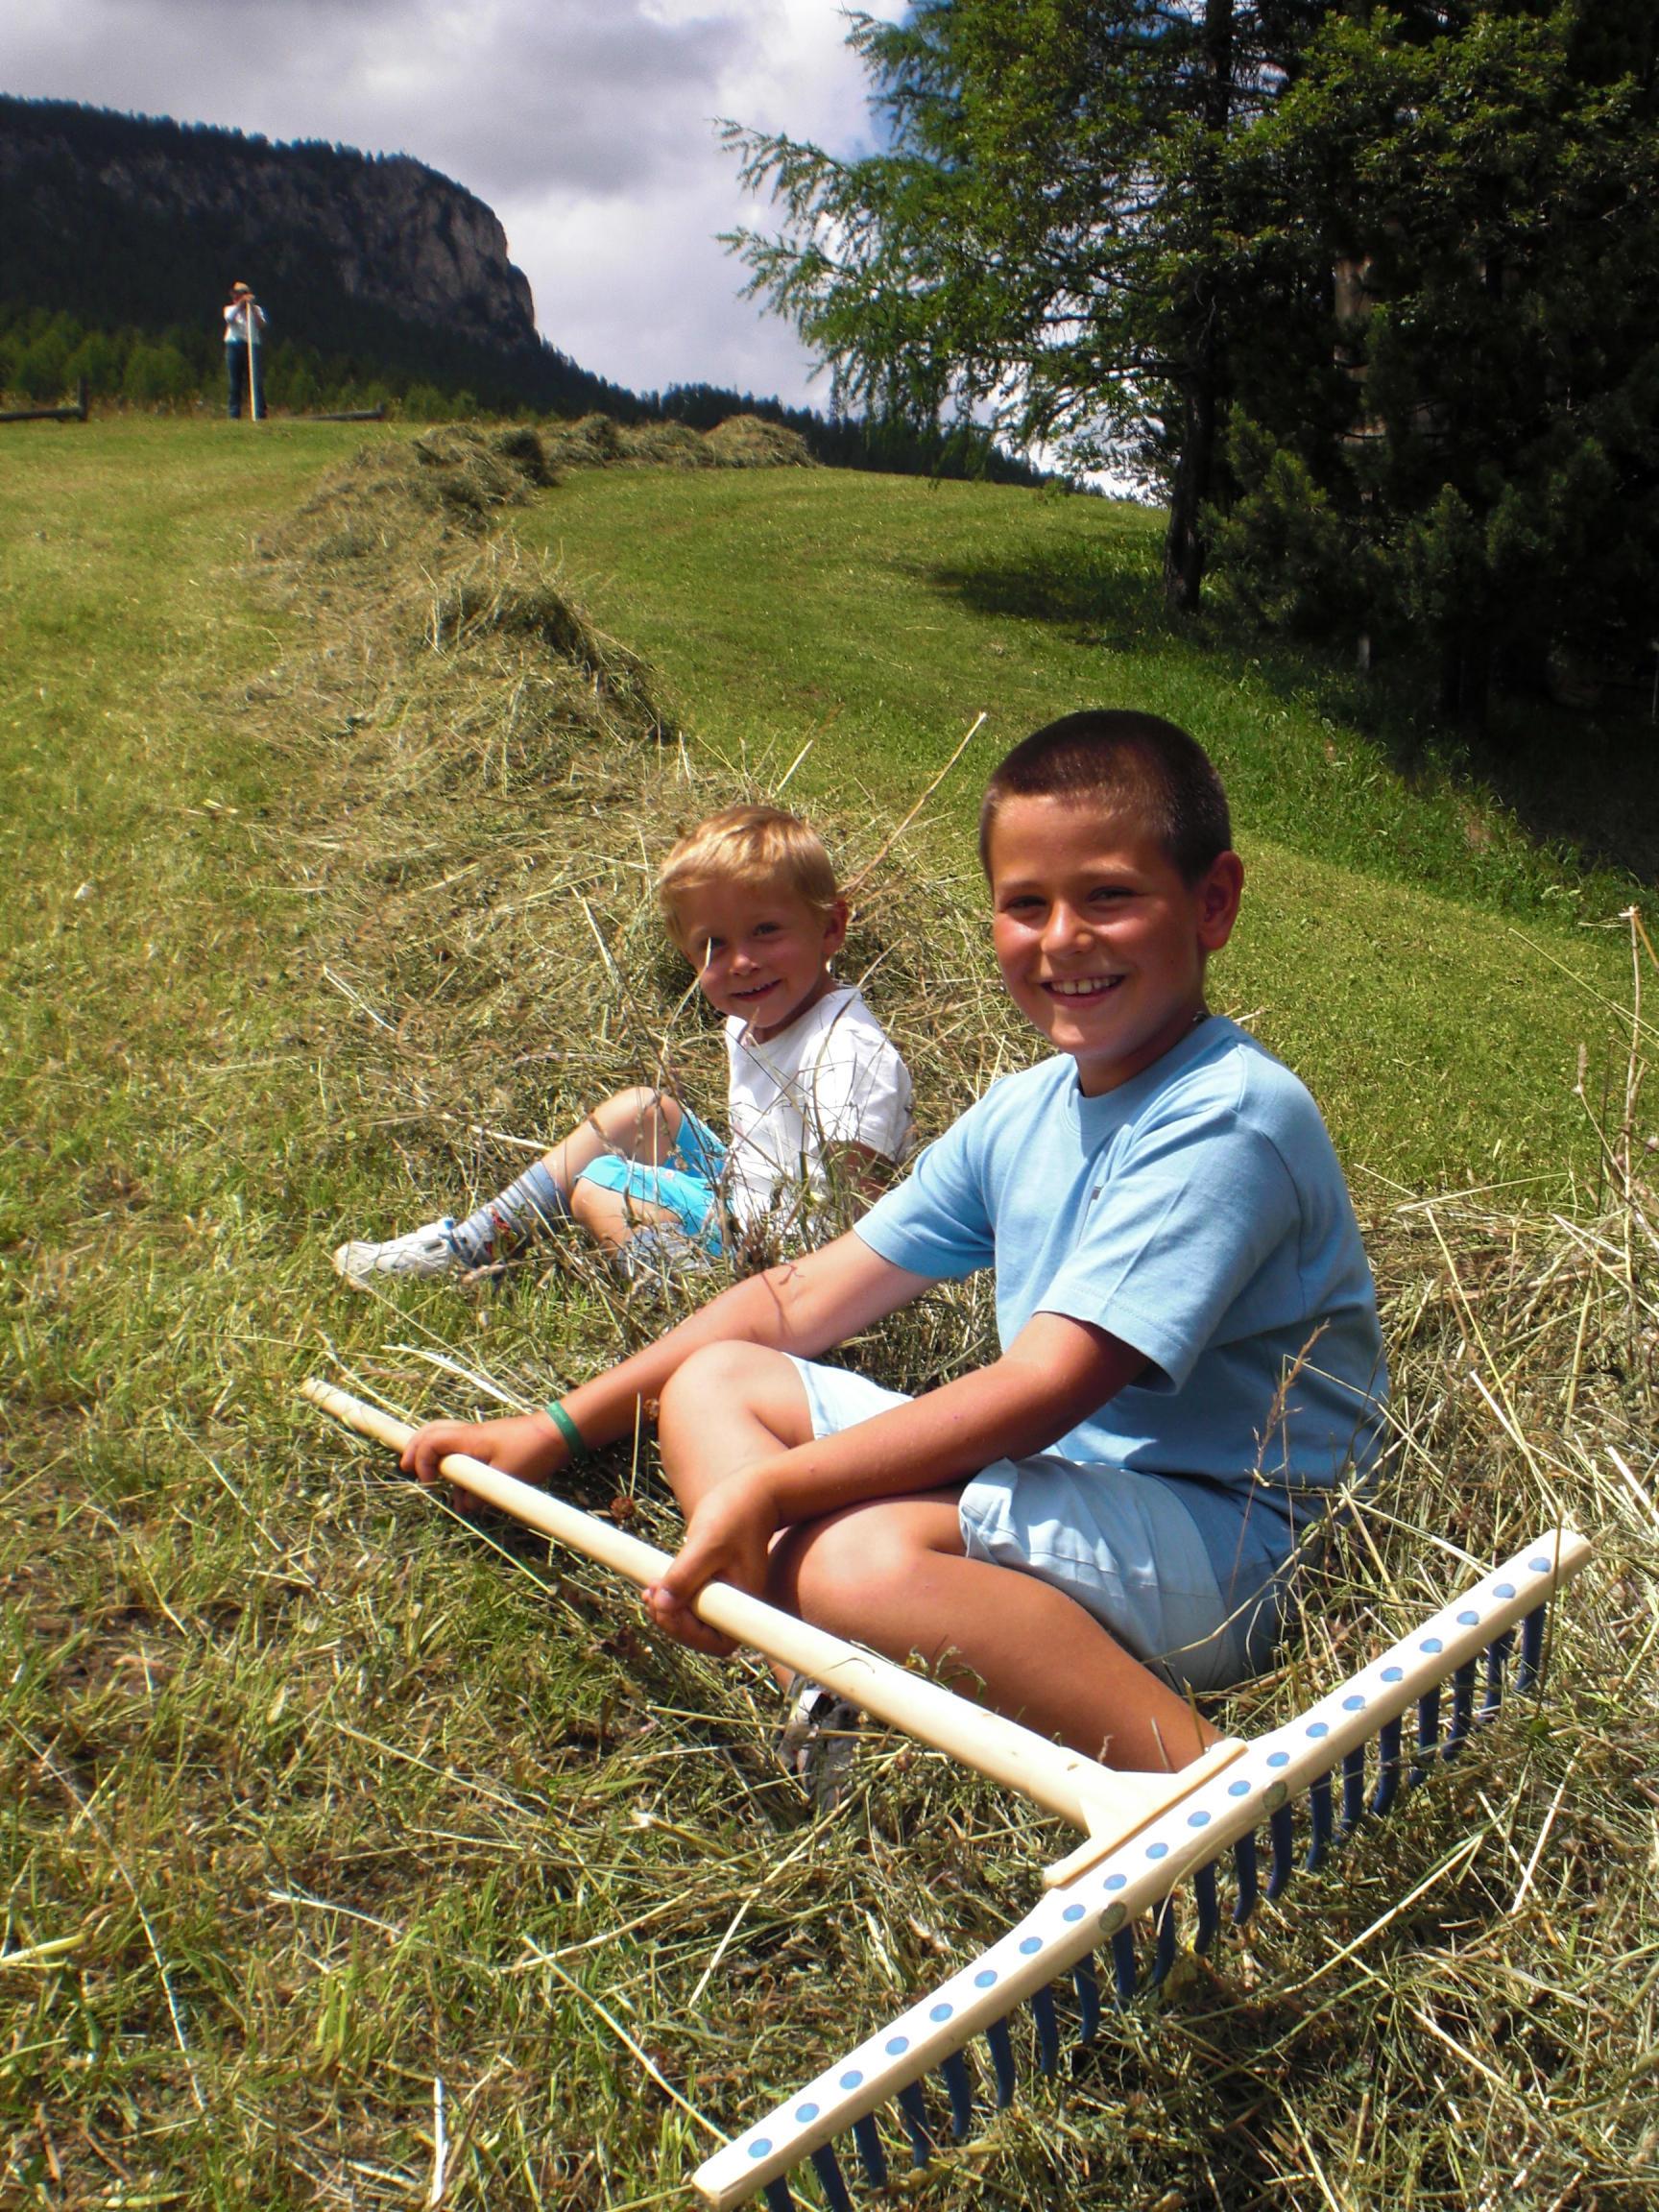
(243, 329)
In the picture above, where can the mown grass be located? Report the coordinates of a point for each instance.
(351, 1855)
(1402, 943)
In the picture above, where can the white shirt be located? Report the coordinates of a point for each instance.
(831, 1077)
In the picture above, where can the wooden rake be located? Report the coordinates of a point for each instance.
(1147, 1835)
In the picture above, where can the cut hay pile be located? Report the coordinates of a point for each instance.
(1464, 2013)
(366, 1859)
(508, 780)
(740, 441)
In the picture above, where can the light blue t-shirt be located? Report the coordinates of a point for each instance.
(1198, 1212)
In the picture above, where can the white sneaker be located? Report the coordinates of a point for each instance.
(418, 1254)
(818, 1740)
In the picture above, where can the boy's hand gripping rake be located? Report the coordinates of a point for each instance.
(1147, 1833)
(1089, 1795)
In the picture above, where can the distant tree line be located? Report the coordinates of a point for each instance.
(45, 354)
(1370, 293)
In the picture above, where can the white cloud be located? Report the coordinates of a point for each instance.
(588, 128)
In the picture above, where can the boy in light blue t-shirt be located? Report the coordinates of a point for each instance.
(1098, 1521)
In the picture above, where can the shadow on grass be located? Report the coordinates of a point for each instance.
(1105, 594)
(1581, 785)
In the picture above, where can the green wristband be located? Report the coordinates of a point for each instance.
(567, 1429)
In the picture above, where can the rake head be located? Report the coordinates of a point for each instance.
(1351, 1756)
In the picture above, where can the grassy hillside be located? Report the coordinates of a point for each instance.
(352, 1855)
(1404, 946)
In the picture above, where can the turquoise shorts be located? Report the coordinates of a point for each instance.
(686, 1184)
(1118, 1541)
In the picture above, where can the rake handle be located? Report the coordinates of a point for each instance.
(1064, 1782)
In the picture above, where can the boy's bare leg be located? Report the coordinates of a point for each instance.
(611, 1218)
(893, 1575)
(637, 1124)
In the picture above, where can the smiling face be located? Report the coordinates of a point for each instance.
(762, 954)
(1100, 941)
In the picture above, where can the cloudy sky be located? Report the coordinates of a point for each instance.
(588, 125)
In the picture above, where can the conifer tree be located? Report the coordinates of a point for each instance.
(1040, 238)
(1455, 237)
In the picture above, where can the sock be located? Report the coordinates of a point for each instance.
(511, 1219)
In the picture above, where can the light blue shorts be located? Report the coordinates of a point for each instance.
(686, 1184)
(1120, 1543)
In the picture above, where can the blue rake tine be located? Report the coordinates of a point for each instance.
(1123, 1973)
(1153, 1837)
(1387, 1766)
(1352, 1788)
(960, 2088)
(1086, 1984)
(1319, 1823)
(869, 2151)
(913, 2108)
(1427, 1743)
(830, 2180)
(1047, 2025)
(1463, 1711)
(1002, 2045)
(1530, 1671)
(1163, 1954)
(1282, 1833)
(1208, 1907)
(1497, 1667)
(778, 2197)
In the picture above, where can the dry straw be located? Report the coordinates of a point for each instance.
(1466, 2011)
(439, 1878)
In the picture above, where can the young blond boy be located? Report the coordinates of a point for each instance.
(1098, 1521)
(817, 1088)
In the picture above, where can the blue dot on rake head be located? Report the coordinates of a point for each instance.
(761, 2146)
(940, 2011)
(1237, 1789)
(1157, 1850)
(1354, 1704)
(1537, 1566)
(1433, 1644)
(985, 1979)
(1278, 1758)
(1468, 1620)
(1072, 1913)
(895, 2046)
(852, 2079)
(1393, 1674)
(1318, 1728)
(1198, 1819)
(1116, 1880)
(1503, 1590)
(806, 2112)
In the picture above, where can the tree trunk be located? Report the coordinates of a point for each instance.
(1201, 377)
(1465, 677)
(1183, 547)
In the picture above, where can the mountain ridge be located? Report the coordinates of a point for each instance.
(141, 220)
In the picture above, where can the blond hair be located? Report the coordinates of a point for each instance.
(763, 848)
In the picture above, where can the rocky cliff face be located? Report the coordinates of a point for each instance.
(196, 207)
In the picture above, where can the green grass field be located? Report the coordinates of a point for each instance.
(1430, 974)
(352, 1855)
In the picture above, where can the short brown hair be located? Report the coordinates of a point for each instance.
(764, 847)
(1127, 764)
